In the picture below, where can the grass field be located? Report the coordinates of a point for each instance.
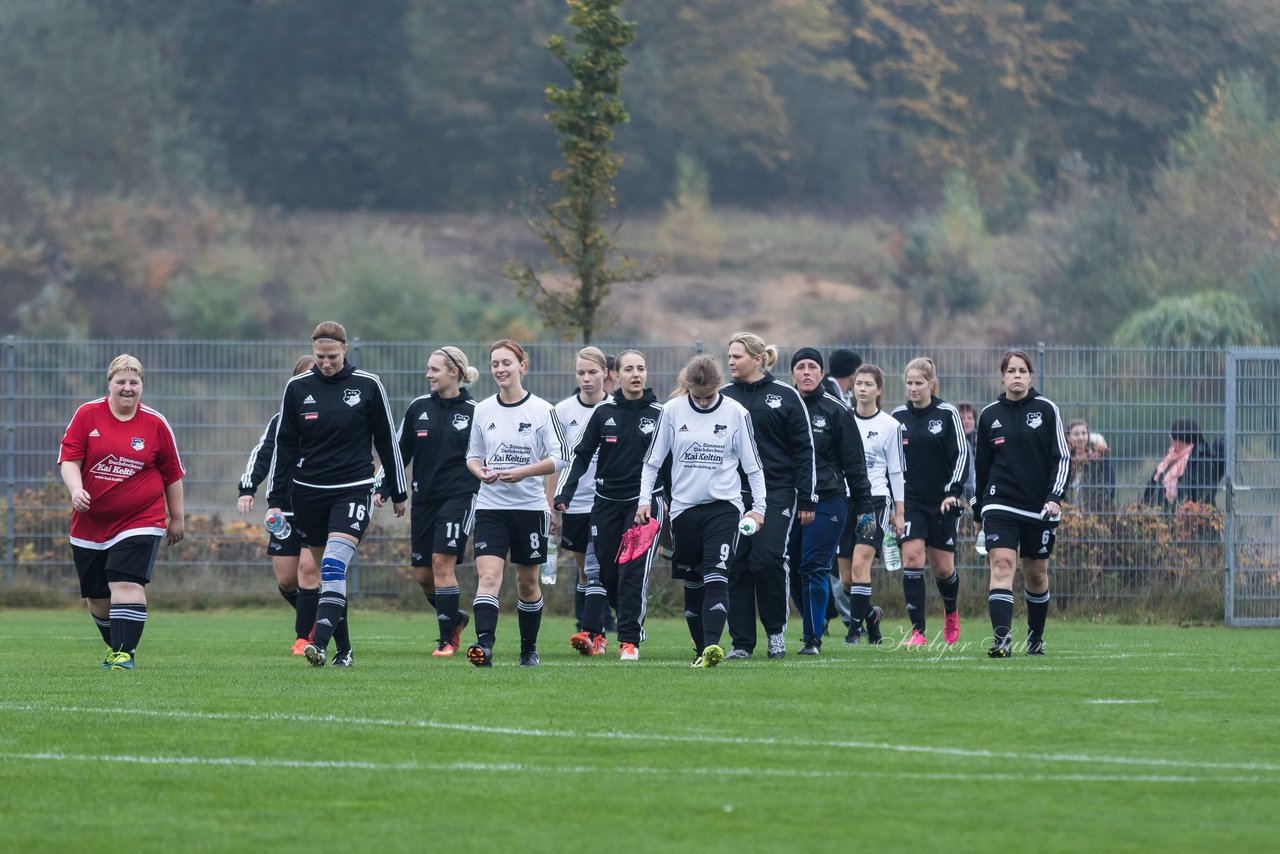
(1122, 738)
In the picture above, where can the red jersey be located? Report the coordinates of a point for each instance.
(125, 466)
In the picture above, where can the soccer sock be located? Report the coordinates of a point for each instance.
(1000, 606)
(484, 613)
(596, 600)
(913, 593)
(817, 593)
(949, 590)
(104, 629)
(859, 604)
(715, 608)
(530, 616)
(447, 611)
(694, 593)
(332, 607)
(304, 617)
(127, 623)
(432, 598)
(580, 605)
(1037, 612)
(342, 631)
(290, 596)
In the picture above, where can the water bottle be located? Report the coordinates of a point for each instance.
(891, 553)
(748, 526)
(279, 526)
(549, 566)
(980, 544)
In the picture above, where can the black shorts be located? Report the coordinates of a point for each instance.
(441, 527)
(575, 531)
(522, 533)
(849, 536)
(290, 546)
(1034, 538)
(704, 539)
(936, 529)
(130, 559)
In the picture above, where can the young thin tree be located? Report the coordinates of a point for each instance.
(572, 226)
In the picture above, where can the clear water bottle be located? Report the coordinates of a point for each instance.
(549, 565)
(980, 544)
(891, 553)
(279, 526)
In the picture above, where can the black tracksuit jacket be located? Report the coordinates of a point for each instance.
(434, 434)
(936, 452)
(780, 424)
(618, 434)
(1022, 456)
(837, 446)
(260, 460)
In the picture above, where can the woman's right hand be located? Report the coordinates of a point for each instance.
(244, 504)
(80, 499)
(378, 499)
(642, 514)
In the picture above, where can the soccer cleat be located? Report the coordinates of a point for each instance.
(1002, 649)
(343, 658)
(299, 646)
(106, 662)
(599, 645)
(916, 639)
(1035, 645)
(121, 661)
(444, 650)
(854, 637)
(777, 646)
(530, 658)
(697, 661)
(455, 640)
(810, 648)
(628, 652)
(480, 656)
(951, 627)
(874, 635)
(582, 643)
(736, 653)
(314, 654)
(711, 656)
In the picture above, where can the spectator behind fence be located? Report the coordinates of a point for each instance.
(969, 421)
(1191, 469)
(1092, 483)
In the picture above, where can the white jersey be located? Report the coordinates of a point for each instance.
(574, 415)
(882, 447)
(706, 446)
(507, 436)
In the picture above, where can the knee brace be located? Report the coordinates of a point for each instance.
(338, 554)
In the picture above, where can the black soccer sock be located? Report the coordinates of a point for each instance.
(530, 616)
(580, 606)
(859, 604)
(447, 611)
(104, 629)
(694, 592)
(1000, 606)
(596, 601)
(304, 617)
(913, 592)
(329, 612)
(342, 631)
(715, 608)
(949, 590)
(290, 596)
(127, 623)
(484, 613)
(1037, 613)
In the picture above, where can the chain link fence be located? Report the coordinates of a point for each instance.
(1118, 542)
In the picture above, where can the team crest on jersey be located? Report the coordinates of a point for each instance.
(461, 422)
(525, 428)
(137, 444)
(1035, 419)
(647, 425)
(935, 427)
(871, 434)
(772, 401)
(820, 421)
(351, 396)
(720, 430)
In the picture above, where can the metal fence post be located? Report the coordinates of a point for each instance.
(1230, 429)
(10, 466)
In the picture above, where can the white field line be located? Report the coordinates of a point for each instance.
(612, 735)
(576, 770)
(1106, 701)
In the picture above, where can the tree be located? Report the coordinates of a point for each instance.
(1205, 319)
(572, 226)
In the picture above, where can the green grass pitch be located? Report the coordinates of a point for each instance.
(1121, 738)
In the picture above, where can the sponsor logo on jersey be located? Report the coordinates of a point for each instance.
(611, 440)
(524, 428)
(703, 453)
(424, 417)
(116, 468)
(351, 396)
(422, 434)
(310, 416)
(720, 430)
(573, 423)
(684, 428)
(996, 423)
(647, 425)
(998, 440)
(1035, 419)
(94, 434)
(611, 423)
(935, 426)
(461, 422)
(772, 401)
(820, 422)
(492, 426)
(308, 399)
(137, 444)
